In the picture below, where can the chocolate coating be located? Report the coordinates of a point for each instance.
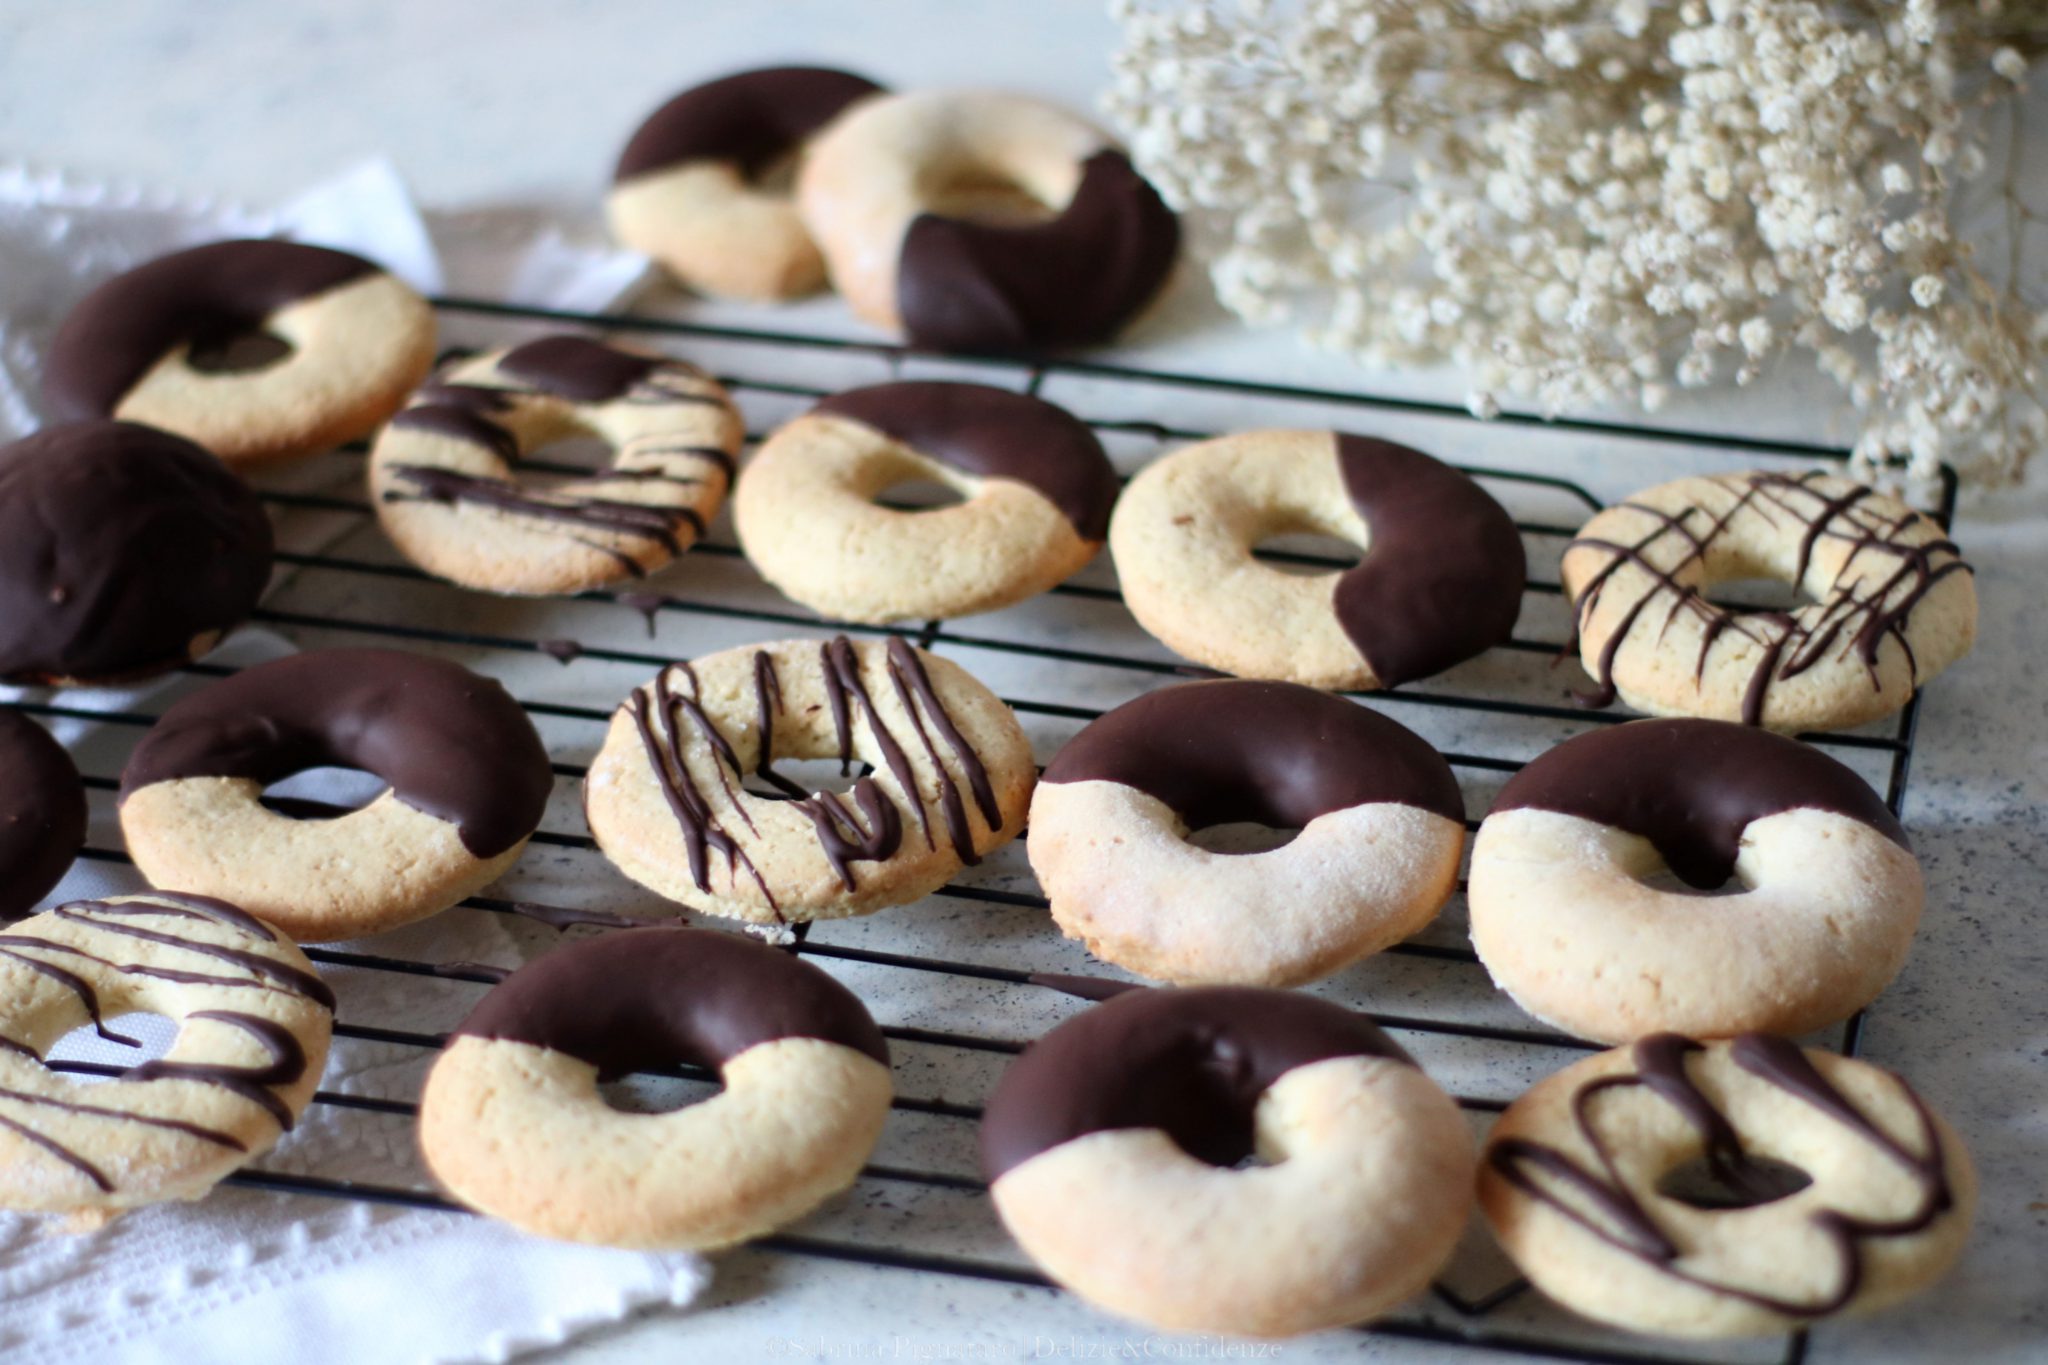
(1442, 576)
(1691, 787)
(1192, 1062)
(642, 998)
(1076, 278)
(577, 368)
(1272, 753)
(752, 118)
(994, 433)
(201, 297)
(449, 742)
(42, 813)
(119, 544)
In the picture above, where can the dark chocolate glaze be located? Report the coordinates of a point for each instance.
(42, 813)
(1270, 753)
(119, 544)
(1074, 279)
(1192, 1062)
(1691, 787)
(577, 368)
(1443, 572)
(201, 297)
(753, 118)
(1621, 1219)
(657, 998)
(449, 742)
(1851, 620)
(994, 433)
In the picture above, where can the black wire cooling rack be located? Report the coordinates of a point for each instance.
(1489, 716)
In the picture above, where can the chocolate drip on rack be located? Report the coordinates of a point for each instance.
(1858, 622)
(1624, 1223)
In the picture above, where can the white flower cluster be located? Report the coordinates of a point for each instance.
(1584, 200)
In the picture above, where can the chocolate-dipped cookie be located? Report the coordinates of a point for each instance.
(257, 350)
(1036, 485)
(124, 552)
(1441, 579)
(1114, 1147)
(701, 187)
(1691, 875)
(882, 193)
(1380, 817)
(42, 813)
(511, 1120)
(468, 780)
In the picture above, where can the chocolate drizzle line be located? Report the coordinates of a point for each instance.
(646, 998)
(994, 433)
(752, 118)
(1191, 1061)
(42, 813)
(256, 1084)
(1625, 1223)
(451, 743)
(1849, 620)
(1443, 572)
(91, 513)
(1271, 753)
(199, 298)
(1691, 787)
(1076, 278)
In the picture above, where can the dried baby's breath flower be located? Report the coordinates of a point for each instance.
(1580, 201)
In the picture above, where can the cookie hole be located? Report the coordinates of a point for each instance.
(1307, 554)
(237, 352)
(986, 196)
(1757, 595)
(85, 1056)
(810, 774)
(1749, 1184)
(323, 793)
(571, 457)
(776, 176)
(642, 1094)
(1240, 837)
(918, 495)
(1663, 879)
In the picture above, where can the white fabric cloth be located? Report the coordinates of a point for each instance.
(245, 1274)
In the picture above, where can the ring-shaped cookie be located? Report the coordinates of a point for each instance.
(1571, 1173)
(124, 552)
(1570, 918)
(879, 189)
(695, 187)
(1441, 579)
(443, 476)
(1036, 485)
(666, 800)
(42, 813)
(512, 1122)
(1891, 602)
(358, 341)
(468, 780)
(1110, 1145)
(253, 1026)
(1380, 817)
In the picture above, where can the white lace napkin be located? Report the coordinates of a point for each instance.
(245, 1274)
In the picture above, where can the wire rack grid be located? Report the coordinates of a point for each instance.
(950, 977)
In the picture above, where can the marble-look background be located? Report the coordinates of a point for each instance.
(520, 105)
